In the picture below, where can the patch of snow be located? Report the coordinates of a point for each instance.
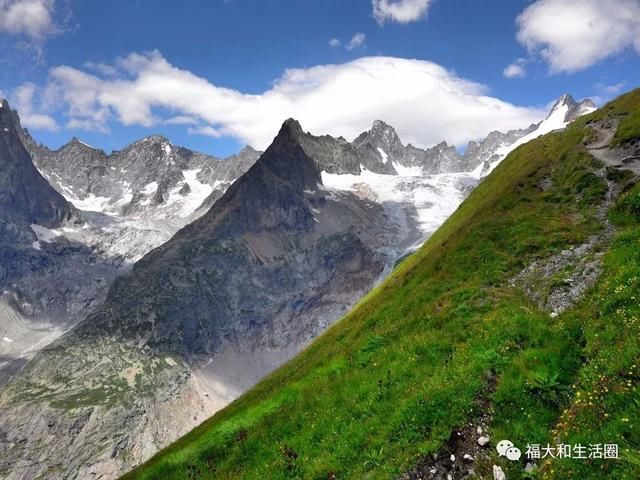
(477, 172)
(125, 200)
(44, 234)
(90, 203)
(383, 154)
(167, 148)
(433, 197)
(36, 245)
(7, 340)
(407, 171)
(555, 121)
(86, 144)
(6, 129)
(150, 188)
(198, 193)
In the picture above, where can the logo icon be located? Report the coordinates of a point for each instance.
(506, 448)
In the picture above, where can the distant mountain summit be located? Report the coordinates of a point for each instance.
(383, 152)
(572, 109)
(150, 178)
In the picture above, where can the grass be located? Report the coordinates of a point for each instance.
(386, 385)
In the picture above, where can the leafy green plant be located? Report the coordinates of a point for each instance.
(373, 458)
(546, 385)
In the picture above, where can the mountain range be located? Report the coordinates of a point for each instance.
(515, 325)
(154, 285)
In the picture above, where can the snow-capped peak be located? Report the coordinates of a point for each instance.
(564, 103)
(564, 111)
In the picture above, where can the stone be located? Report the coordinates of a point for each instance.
(498, 473)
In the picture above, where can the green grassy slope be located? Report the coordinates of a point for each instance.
(386, 385)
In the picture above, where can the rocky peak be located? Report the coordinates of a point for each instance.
(25, 196)
(588, 103)
(567, 99)
(291, 128)
(248, 150)
(573, 108)
(381, 135)
(158, 141)
(329, 154)
(385, 131)
(583, 108)
(77, 141)
(566, 102)
(442, 146)
(290, 157)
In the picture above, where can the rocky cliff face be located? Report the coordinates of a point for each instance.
(25, 196)
(47, 283)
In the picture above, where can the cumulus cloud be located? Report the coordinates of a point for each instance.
(356, 41)
(335, 43)
(27, 25)
(23, 100)
(401, 11)
(423, 100)
(572, 35)
(33, 18)
(516, 69)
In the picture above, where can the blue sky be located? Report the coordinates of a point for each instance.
(114, 57)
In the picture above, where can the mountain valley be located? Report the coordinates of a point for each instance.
(163, 283)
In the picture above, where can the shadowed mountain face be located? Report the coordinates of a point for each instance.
(46, 283)
(261, 253)
(25, 196)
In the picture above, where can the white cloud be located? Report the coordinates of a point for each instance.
(206, 130)
(335, 43)
(401, 11)
(423, 100)
(103, 68)
(516, 69)
(572, 35)
(356, 41)
(181, 120)
(611, 90)
(23, 102)
(607, 92)
(32, 18)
